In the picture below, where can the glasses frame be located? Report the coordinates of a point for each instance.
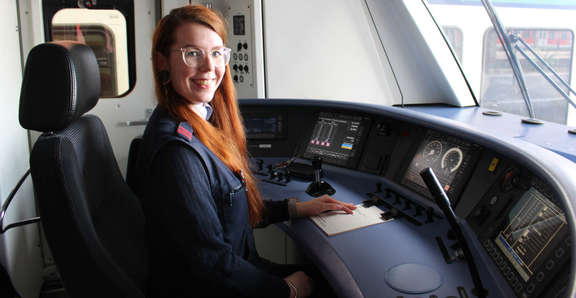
(227, 54)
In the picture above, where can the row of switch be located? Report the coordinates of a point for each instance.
(241, 57)
(241, 46)
(498, 258)
(400, 211)
(237, 67)
(238, 78)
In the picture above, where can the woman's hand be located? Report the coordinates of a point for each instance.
(301, 282)
(322, 204)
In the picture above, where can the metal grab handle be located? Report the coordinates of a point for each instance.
(7, 203)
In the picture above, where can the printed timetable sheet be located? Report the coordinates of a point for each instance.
(336, 222)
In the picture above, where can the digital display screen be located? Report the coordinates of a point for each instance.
(532, 225)
(336, 138)
(263, 125)
(450, 158)
(239, 25)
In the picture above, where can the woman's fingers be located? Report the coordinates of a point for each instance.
(345, 206)
(337, 207)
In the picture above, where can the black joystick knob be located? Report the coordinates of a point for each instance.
(260, 164)
(319, 187)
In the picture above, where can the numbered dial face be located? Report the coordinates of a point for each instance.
(432, 151)
(452, 159)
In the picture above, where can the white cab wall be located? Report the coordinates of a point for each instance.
(426, 71)
(325, 49)
(19, 247)
(137, 105)
(383, 52)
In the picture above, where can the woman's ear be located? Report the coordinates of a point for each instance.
(162, 62)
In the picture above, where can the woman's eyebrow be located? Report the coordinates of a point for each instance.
(197, 47)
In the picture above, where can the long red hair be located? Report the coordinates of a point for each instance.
(224, 133)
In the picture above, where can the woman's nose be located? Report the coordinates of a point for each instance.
(207, 63)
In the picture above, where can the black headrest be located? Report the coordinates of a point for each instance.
(61, 82)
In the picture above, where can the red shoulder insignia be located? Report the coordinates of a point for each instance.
(183, 131)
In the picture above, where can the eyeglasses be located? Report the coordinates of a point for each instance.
(194, 57)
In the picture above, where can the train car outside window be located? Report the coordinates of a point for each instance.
(499, 89)
(104, 30)
(546, 26)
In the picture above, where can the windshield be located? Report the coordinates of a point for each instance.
(546, 26)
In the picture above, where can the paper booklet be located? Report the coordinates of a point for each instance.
(336, 222)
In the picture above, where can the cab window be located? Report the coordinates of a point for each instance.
(104, 30)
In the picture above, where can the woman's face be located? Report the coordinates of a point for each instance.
(195, 83)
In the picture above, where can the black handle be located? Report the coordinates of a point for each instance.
(443, 202)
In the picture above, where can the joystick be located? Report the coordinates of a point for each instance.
(319, 187)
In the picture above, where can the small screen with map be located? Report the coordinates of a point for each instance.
(532, 225)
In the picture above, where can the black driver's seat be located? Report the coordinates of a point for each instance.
(94, 224)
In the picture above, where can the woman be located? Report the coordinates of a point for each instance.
(199, 195)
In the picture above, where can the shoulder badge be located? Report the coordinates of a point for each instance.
(184, 132)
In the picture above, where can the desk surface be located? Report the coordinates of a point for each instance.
(356, 262)
(507, 163)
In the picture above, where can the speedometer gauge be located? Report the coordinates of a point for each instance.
(452, 159)
(432, 151)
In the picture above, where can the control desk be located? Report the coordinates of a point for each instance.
(512, 200)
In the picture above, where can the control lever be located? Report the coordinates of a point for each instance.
(443, 202)
(260, 170)
(319, 187)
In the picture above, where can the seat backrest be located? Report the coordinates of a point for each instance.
(132, 171)
(93, 223)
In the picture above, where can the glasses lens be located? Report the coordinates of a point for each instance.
(220, 57)
(195, 57)
(192, 57)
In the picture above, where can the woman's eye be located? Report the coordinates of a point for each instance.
(194, 53)
(216, 53)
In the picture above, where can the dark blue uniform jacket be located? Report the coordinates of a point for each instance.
(199, 231)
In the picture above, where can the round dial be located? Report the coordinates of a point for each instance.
(432, 151)
(452, 159)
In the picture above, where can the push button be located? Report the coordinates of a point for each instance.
(559, 252)
(550, 264)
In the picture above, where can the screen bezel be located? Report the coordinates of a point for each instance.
(353, 161)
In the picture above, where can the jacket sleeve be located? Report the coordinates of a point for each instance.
(191, 217)
(274, 212)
